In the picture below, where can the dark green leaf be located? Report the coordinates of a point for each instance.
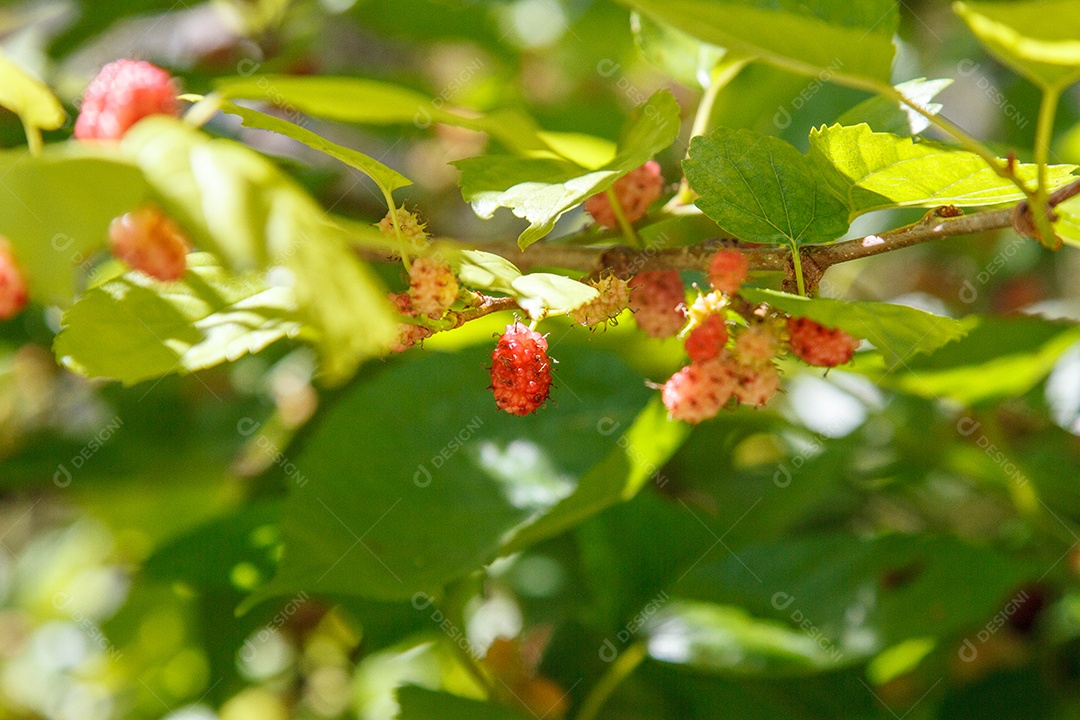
(420, 704)
(415, 478)
(761, 189)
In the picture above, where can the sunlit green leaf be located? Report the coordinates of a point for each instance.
(481, 270)
(890, 116)
(876, 170)
(135, 328)
(761, 189)
(56, 209)
(852, 37)
(541, 190)
(372, 102)
(1038, 38)
(677, 53)
(29, 98)
(387, 178)
(549, 294)
(251, 215)
(725, 639)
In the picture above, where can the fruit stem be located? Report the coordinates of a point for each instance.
(721, 75)
(627, 228)
(796, 261)
(620, 669)
(397, 228)
(1044, 131)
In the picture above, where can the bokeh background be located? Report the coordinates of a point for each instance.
(135, 521)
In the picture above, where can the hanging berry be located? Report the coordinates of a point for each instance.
(520, 370)
(409, 334)
(614, 297)
(816, 344)
(727, 270)
(13, 290)
(123, 93)
(707, 340)
(635, 191)
(657, 298)
(700, 390)
(432, 286)
(148, 240)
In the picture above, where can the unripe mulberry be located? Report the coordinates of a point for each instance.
(123, 93)
(432, 286)
(520, 370)
(727, 270)
(614, 297)
(707, 340)
(13, 291)
(635, 191)
(148, 240)
(756, 345)
(700, 390)
(413, 231)
(818, 345)
(657, 298)
(757, 385)
(409, 334)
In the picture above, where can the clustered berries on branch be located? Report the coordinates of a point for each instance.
(731, 344)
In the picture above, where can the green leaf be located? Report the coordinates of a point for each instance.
(56, 211)
(852, 37)
(1067, 226)
(135, 328)
(875, 170)
(1040, 39)
(1001, 357)
(677, 53)
(727, 640)
(541, 190)
(861, 596)
(371, 102)
(420, 704)
(403, 501)
(542, 294)
(387, 178)
(251, 215)
(898, 331)
(30, 99)
(641, 450)
(481, 270)
(890, 116)
(761, 189)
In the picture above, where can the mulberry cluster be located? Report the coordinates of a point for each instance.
(657, 298)
(732, 361)
(409, 334)
(433, 288)
(413, 230)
